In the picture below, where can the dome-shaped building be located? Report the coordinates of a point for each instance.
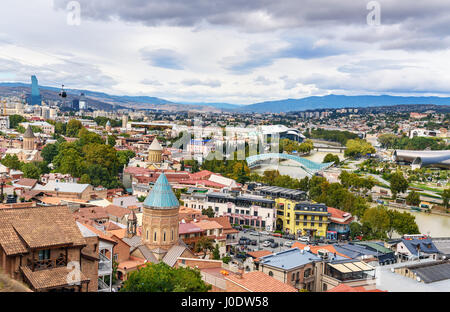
(160, 218)
(155, 152)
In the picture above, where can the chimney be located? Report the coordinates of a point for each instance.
(240, 272)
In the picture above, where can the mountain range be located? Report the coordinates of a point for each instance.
(100, 100)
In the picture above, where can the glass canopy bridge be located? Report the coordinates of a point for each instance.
(309, 166)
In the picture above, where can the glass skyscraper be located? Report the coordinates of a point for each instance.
(35, 97)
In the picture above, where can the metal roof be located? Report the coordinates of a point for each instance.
(289, 259)
(434, 272)
(161, 195)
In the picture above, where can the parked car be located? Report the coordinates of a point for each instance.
(266, 244)
(253, 233)
(304, 239)
(274, 245)
(264, 233)
(253, 242)
(276, 234)
(271, 240)
(288, 243)
(244, 241)
(245, 230)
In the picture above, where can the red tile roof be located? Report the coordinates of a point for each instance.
(314, 249)
(339, 216)
(347, 288)
(257, 281)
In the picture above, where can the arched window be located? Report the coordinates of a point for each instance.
(164, 235)
(154, 237)
(147, 234)
(271, 273)
(172, 235)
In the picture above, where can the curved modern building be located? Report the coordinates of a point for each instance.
(418, 159)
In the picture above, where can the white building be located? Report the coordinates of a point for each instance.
(251, 210)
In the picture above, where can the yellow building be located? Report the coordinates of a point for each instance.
(301, 218)
(155, 152)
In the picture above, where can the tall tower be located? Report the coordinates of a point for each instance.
(108, 126)
(35, 96)
(28, 139)
(160, 218)
(131, 225)
(155, 152)
(124, 121)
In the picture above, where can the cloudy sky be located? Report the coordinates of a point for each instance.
(234, 51)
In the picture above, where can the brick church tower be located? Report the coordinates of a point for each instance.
(160, 218)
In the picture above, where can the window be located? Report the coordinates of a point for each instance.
(320, 218)
(44, 254)
(172, 235)
(229, 210)
(305, 223)
(164, 235)
(147, 234)
(255, 213)
(154, 237)
(217, 209)
(270, 273)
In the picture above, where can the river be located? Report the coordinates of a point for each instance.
(430, 224)
(434, 225)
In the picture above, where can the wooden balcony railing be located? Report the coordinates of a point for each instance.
(46, 264)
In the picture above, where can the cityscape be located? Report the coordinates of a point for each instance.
(300, 184)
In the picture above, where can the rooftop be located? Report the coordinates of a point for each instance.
(289, 259)
(257, 281)
(161, 195)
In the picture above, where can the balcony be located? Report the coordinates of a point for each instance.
(46, 264)
(232, 241)
(104, 265)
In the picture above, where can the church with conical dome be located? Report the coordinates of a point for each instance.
(160, 218)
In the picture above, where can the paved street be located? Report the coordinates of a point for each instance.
(262, 238)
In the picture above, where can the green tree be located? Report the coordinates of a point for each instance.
(387, 140)
(216, 252)
(85, 179)
(445, 197)
(402, 223)
(413, 199)
(398, 183)
(208, 212)
(355, 229)
(204, 244)
(124, 157)
(377, 220)
(11, 161)
(357, 148)
(15, 120)
(331, 158)
(30, 171)
(162, 278)
(73, 127)
(49, 152)
(69, 160)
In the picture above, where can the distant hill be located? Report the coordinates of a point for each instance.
(104, 101)
(340, 101)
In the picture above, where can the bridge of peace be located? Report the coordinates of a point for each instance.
(309, 166)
